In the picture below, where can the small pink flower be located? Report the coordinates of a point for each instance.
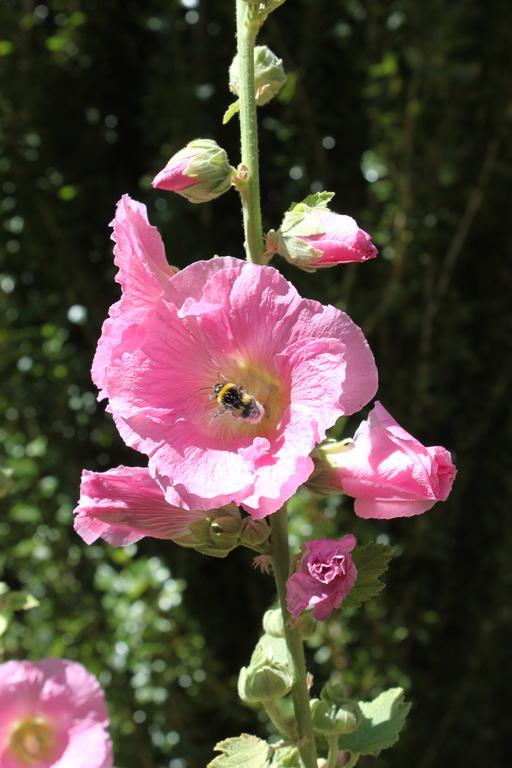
(52, 715)
(390, 473)
(226, 320)
(199, 172)
(325, 577)
(125, 504)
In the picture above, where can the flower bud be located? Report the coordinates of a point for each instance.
(269, 75)
(273, 622)
(312, 236)
(330, 719)
(265, 678)
(200, 172)
(5, 481)
(286, 757)
(254, 532)
(215, 535)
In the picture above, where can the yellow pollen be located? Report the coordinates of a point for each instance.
(32, 740)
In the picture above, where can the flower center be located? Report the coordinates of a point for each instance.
(32, 740)
(328, 571)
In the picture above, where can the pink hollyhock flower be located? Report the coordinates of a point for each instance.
(125, 504)
(325, 577)
(296, 365)
(52, 715)
(390, 473)
(200, 172)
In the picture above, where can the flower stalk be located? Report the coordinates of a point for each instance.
(281, 566)
(246, 32)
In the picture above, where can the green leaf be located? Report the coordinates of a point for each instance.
(245, 750)
(318, 200)
(286, 757)
(231, 111)
(371, 562)
(383, 719)
(298, 222)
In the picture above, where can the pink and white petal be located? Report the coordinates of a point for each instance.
(89, 746)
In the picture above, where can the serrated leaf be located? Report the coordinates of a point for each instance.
(383, 719)
(244, 750)
(371, 561)
(299, 223)
(318, 200)
(231, 111)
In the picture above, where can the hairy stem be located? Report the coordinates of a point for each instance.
(300, 693)
(246, 31)
(333, 751)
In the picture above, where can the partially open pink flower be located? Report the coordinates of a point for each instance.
(325, 576)
(390, 473)
(125, 504)
(200, 172)
(52, 715)
(226, 321)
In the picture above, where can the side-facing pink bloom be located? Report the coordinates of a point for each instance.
(226, 320)
(325, 576)
(52, 715)
(199, 172)
(125, 504)
(390, 473)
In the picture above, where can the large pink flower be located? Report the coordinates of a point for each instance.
(52, 715)
(390, 473)
(125, 504)
(225, 320)
(325, 576)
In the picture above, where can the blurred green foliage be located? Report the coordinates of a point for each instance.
(404, 109)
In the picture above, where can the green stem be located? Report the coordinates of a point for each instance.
(250, 190)
(333, 751)
(354, 759)
(278, 721)
(300, 693)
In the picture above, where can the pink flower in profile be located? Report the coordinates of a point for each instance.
(325, 576)
(125, 504)
(228, 321)
(199, 172)
(52, 715)
(390, 473)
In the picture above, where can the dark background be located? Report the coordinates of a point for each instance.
(404, 109)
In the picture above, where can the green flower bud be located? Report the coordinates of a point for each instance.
(217, 535)
(5, 482)
(330, 719)
(269, 75)
(199, 172)
(254, 532)
(286, 757)
(265, 678)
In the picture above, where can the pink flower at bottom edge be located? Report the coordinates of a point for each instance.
(124, 504)
(52, 715)
(389, 472)
(325, 577)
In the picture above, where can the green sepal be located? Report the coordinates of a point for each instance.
(330, 719)
(371, 561)
(286, 757)
(380, 726)
(243, 750)
(231, 111)
(267, 676)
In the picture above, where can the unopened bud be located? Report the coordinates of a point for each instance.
(265, 678)
(273, 622)
(269, 75)
(254, 532)
(200, 172)
(311, 236)
(216, 535)
(330, 719)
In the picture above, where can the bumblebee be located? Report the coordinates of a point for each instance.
(234, 399)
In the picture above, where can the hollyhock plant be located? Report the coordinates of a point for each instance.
(325, 576)
(125, 504)
(200, 172)
(388, 472)
(226, 321)
(52, 715)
